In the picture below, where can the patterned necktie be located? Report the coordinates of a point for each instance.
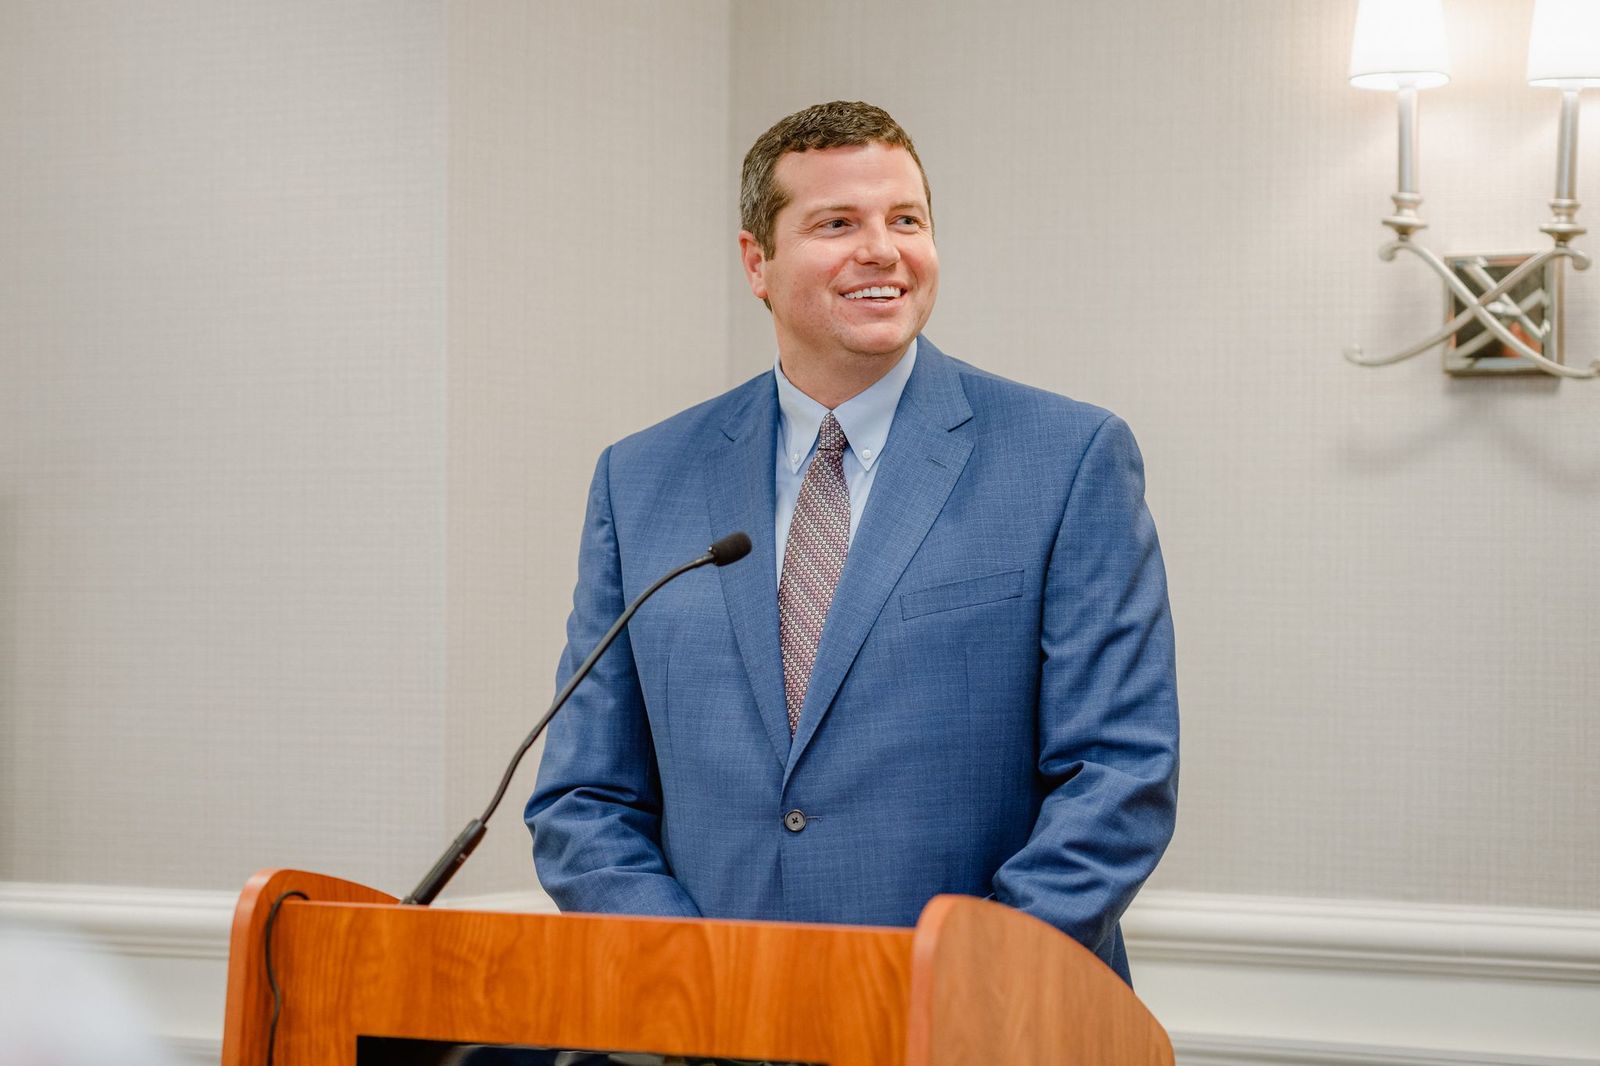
(813, 558)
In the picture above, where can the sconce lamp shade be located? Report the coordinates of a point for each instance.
(1564, 48)
(1399, 44)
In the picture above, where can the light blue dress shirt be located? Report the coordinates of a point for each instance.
(865, 419)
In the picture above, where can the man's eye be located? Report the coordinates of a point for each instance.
(909, 220)
(835, 223)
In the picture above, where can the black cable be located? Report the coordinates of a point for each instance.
(272, 976)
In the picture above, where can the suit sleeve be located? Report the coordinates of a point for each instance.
(595, 813)
(1108, 709)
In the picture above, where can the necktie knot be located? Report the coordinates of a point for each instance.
(831, 438)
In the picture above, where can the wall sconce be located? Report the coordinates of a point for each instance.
(1504, 311)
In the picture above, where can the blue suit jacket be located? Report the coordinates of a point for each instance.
(993, 706)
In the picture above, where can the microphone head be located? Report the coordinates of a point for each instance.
(730, 549)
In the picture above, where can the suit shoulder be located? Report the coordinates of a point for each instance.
(688, 428)
(1027, 411)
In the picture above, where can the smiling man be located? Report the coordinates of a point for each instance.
(948, 665)
(843, 254)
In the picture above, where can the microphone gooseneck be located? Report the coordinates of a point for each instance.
(729, 549)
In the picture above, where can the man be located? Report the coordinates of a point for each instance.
(947, 665)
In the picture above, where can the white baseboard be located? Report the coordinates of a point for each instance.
(1237, 980)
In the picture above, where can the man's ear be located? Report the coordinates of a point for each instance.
(755, 263)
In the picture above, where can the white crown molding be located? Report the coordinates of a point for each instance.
(1485, 942)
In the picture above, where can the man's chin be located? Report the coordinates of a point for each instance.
(880, 345)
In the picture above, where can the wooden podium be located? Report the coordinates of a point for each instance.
(974, 983)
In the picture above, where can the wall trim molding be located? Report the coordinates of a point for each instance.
(1493, 942)
(1376, 936)
(1199, 1049)
(195, 1049)
(1371, 936)
(1190, 1049)
(1265, 939)
(174, 923)
(526, 901)
(143, 922)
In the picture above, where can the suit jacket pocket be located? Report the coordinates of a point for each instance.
(1006, 585)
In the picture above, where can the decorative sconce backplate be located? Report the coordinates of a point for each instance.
(1530, 309)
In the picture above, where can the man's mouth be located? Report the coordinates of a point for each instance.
(876, 292)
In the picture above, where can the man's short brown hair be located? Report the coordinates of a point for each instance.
(840, 124)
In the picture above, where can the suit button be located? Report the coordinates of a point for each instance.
(794, 821)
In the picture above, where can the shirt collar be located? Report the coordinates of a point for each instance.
(865, 417)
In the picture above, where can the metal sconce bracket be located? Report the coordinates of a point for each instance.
(1513, 299)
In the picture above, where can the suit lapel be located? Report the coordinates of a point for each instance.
(921, 463)
(741, 496)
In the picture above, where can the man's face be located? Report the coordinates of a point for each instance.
(854, 273)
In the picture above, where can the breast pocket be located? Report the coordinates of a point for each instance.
(969, 592)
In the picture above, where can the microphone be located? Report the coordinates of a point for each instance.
(729, 549)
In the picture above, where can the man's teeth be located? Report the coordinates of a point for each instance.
(876, 290)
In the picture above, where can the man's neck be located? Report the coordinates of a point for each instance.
(832, 380)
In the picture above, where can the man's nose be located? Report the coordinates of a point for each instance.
(877, 247)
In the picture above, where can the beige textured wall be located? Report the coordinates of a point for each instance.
(313, 318)
(290, 481)
(222, 432)
(1385, 598)
(590, 255)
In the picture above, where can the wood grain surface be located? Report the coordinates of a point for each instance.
(974, 983)
(831, 994)
(993, 985)
(249, 1004)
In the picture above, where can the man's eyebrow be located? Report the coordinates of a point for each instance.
(846, 209)
(831, 209)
